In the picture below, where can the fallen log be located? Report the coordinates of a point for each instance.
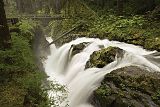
(64, 34)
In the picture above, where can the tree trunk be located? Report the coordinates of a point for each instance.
(5, 38)
(20, 6)
(120, 7)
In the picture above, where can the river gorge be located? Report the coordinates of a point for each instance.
(70, 69)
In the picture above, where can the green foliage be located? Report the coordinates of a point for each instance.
(20, 79)
(27, 27)
(136, 30)
(18, 58)
(19, 72)
(75, 12)
(55, 28)
(10, 8)
(156, 96)
(117, 25)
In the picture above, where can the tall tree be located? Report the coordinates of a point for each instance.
(120, 7)
(5, 38)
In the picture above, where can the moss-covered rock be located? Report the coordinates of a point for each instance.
(128, 87)
(147, 42)
(152, 43)
(103, 57)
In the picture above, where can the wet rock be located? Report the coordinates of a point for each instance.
(78, 48)
(128, 87)
(103, 57)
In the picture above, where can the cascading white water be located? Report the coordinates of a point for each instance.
(81, 83)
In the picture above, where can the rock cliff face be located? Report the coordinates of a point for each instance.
(128, 87)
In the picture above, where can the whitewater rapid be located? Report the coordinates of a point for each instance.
(70, 71)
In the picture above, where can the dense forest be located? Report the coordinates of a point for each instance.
(80, 53)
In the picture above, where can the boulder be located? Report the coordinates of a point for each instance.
(128, 87)
(103, 57)
(78, 48)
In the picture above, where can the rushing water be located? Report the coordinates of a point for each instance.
(80, 82)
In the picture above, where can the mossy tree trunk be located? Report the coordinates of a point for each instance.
(5, 38)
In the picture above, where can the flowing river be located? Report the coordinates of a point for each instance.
(70, 70)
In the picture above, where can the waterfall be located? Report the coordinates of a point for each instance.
(80, 82)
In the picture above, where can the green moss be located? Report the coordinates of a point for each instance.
(156, 96)
(27, 28)
(102, 57)
(135, 29)
(103, 91)
(129, 86)
(152, 43)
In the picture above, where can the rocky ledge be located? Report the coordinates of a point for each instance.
(103, 57)
(78, 48)
(128, 87)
